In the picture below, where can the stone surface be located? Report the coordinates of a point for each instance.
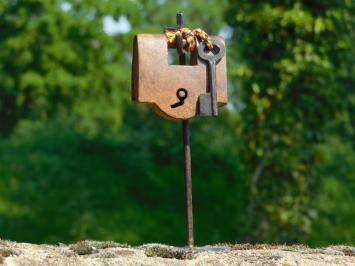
(110, 253)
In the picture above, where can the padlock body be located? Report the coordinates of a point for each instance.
(156, 82)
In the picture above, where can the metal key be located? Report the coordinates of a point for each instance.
(208, 101)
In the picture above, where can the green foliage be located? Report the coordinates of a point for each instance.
(54, 60)
(292, 76)
(334, 222)
(66, 186)
(78, 160)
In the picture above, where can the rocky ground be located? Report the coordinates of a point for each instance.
(110, 253)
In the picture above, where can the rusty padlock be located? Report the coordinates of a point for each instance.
(172, 90)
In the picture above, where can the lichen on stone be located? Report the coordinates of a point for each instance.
(87, 247)
(6, 252)
(83, 248)
(169, 252)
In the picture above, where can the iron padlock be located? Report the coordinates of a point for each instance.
(172, 90)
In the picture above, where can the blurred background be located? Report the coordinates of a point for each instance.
(79, 160)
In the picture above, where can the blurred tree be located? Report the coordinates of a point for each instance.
(67, 157)
(65, 62)
(334, 221)
(56, 58)
(293, 73)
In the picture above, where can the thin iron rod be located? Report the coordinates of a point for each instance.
(188, 182)
(187, 158)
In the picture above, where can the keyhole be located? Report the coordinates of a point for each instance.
(181, 94)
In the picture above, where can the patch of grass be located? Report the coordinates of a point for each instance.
(87, 247)
(347, 250)
(169, 252)
(107, 244)
(83, 248)
(248, 246)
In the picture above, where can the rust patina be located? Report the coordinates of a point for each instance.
(156, 82)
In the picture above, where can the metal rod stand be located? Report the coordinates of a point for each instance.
(188, 183)
(187, 159)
